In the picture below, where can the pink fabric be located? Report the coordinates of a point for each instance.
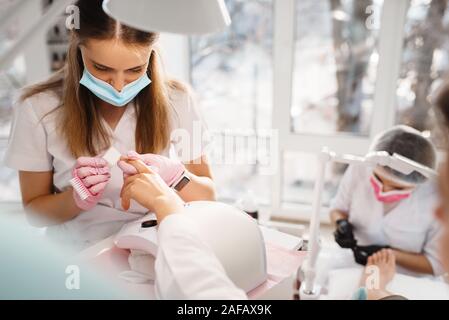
(390, 196)
(111, 262)
(169, 170)
(94, 174)
(281, 263)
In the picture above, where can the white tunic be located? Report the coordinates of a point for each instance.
(36, 145)
(409, 226)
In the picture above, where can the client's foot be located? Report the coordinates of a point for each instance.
(378, 273)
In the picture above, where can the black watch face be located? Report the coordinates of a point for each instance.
(149, 224)
(181, 184)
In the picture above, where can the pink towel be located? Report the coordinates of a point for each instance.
(281, 263)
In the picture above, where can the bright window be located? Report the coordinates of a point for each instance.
(231, 73)
(335, 65)
(424, 63)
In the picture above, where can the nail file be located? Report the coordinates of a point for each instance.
(112, 156)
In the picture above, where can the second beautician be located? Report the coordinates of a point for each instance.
(111, 92)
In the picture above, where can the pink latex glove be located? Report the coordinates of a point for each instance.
(94, 175)
(169, 170)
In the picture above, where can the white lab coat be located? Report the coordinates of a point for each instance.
(186, 267)
(409, 226)
(35, 144)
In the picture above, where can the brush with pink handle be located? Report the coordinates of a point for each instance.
(90, 176)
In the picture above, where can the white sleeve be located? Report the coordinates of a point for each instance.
(27, 145)
(342, 200)
(186, 267)
(431, 248)
(190, 135)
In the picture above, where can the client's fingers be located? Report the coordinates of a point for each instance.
(129, 180)
(140, 166)
(126, 197)
(126, 202)
(127, 168)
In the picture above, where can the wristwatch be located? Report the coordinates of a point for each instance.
(181, 182)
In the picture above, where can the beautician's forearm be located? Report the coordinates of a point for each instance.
(52, 209)
(199, 188)
(413, 261)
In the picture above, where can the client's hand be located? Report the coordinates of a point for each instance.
(147, 188)
(170, 170)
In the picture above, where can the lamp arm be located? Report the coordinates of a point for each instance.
(308, 289)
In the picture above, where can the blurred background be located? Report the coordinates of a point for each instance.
(321, 72)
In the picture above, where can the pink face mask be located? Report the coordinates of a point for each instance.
(390, 196)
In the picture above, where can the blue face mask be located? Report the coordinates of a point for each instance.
(107, 93)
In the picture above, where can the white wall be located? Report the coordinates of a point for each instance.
(175, 55)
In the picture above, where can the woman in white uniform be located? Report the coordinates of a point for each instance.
(379, 208)
(111, 92)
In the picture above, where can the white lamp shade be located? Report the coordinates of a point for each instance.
(175, 16)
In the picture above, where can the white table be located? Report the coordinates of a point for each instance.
(115, 262)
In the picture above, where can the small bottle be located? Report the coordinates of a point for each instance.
(248, 203)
